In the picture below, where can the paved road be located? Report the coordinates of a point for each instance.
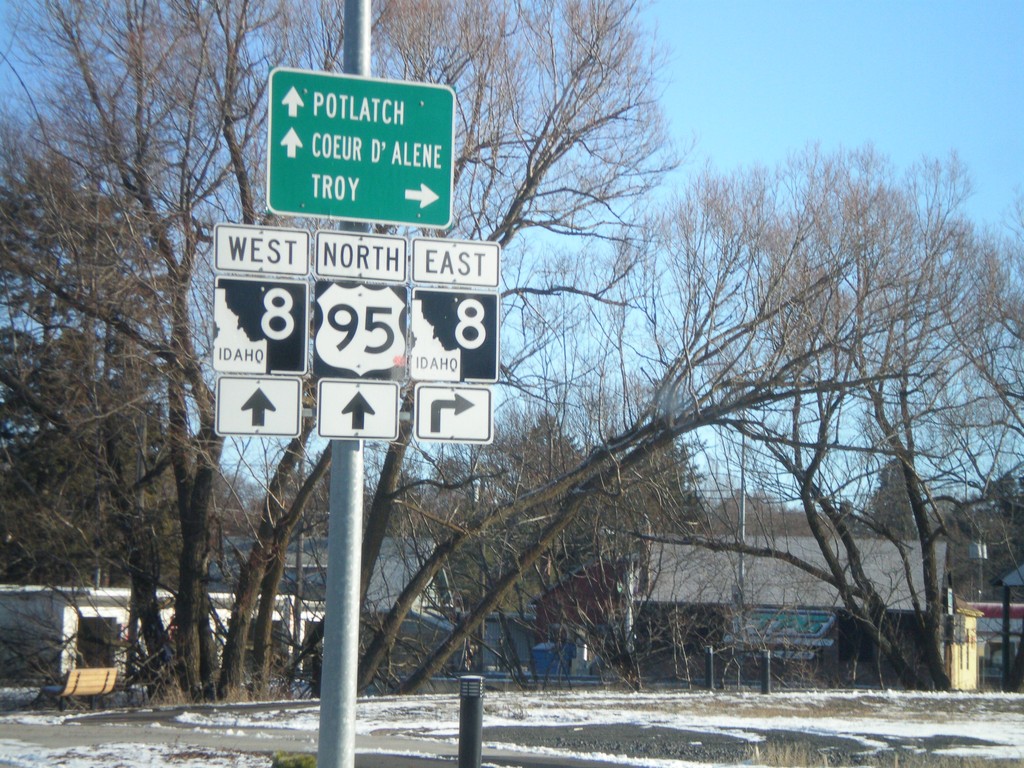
(378, 750)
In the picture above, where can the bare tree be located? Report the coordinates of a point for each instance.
(159, 109)
(897, 372)
(992, 340)
(714, 328)
(154, 108)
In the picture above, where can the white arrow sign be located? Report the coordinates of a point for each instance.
(425, 195)
(270, 407)
(293, 101)
(291, 142)
(453, 414)
(359, 410)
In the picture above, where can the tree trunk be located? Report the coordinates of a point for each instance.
(263, 629)
(232, 671)
(269, 552)
(471, 621)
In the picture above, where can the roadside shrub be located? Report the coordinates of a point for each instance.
(287, 760)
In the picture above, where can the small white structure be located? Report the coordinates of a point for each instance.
(44, 632)
(47, 631)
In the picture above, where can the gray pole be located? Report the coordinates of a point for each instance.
(337, 740)
(709, 667)
(356, 51)
(741, 572)
(741, 628)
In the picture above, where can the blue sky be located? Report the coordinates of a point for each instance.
(754, 81)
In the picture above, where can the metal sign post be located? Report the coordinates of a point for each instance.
(336, 747)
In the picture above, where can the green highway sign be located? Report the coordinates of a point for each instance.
(360, 148)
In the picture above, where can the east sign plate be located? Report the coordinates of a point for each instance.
(360, 148)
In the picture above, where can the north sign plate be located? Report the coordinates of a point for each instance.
(360, 256)
(360, 148)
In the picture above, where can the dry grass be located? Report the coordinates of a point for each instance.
(283, 760)
(802, 756)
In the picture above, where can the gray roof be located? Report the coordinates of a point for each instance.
(1012, 579)
(399, 560)
(694, 575)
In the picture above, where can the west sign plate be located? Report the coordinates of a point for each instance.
(360, 148)
(266, 250)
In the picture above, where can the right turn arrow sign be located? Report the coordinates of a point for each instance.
(454, 414)
(458, 405)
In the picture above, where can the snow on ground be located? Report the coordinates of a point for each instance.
(869, 717)
(22, 755)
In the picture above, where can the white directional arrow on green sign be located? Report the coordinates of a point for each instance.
(360, 148)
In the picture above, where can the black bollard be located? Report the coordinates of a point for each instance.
(766, 672)
(471, 720)
(709, 668)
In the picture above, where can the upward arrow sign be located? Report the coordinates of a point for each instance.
(259, 404)
(293, 101)
(291, 142)
(360, 409)
(269, 407)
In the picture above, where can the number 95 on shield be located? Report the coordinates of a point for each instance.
(359, 331)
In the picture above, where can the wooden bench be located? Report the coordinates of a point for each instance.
(84, 682)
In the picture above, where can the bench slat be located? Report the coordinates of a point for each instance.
(90, 682)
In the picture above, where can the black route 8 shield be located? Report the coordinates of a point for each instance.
(454, 335)
(262, 326)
